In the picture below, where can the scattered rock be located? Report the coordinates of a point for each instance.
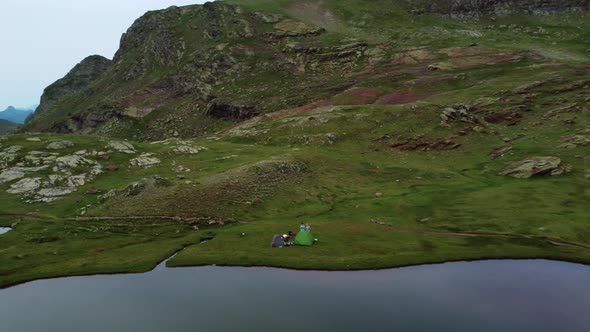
(574, 141)
(181, 169)
(378, 195)
(425, 145)
(587, 174)
(508, 139)
(460, 113)
(33, 139)
(122, 147)
(103, 198)
(562, 110)
(72, 161)
(59, 145)
(499, 152)
(535, 166)
(188, 149)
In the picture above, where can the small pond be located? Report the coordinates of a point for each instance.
(503, 295)
(4, 230)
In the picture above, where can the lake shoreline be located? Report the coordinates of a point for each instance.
(163, 264)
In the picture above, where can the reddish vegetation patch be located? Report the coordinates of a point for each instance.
(397, 98)
(357, 96)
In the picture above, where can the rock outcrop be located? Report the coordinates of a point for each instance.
(535, 166)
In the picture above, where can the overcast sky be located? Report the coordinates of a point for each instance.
(41, 40)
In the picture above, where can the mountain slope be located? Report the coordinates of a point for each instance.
(189, 71)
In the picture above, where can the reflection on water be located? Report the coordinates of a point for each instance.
(532, 295)
(4, 230)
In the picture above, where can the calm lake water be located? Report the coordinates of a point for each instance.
(532, 295)
(5, 230)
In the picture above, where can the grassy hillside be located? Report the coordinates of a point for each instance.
(394, 158)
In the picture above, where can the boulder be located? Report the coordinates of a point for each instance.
(535, 166)
(25, 186)
(145, 160)
(76, 180)
(59, 145)
(122, 147)
(33, 139)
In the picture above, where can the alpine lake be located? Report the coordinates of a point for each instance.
(494, 295)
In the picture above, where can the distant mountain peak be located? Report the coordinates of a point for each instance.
(16, 115)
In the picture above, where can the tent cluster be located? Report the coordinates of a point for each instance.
(303, 238)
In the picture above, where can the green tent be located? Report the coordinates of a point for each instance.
(304, 239)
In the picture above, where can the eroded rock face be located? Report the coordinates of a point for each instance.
(476, 8)
(535, 166)
(222, 109)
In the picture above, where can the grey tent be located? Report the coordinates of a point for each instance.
(277, 241)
